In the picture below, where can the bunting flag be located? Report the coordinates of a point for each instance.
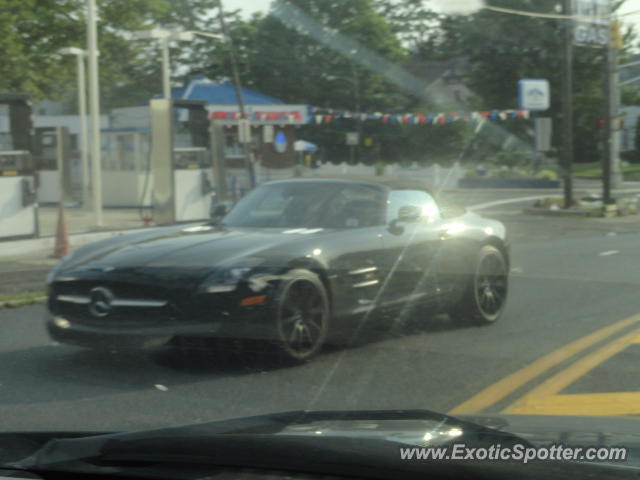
(320, 116)
(325, 116)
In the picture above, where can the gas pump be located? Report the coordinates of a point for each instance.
(18, 206)
(180, 161)
(52, 157)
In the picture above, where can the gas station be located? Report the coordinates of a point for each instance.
(169, 158)
(180, 161)
(18, 179)
(52, 161)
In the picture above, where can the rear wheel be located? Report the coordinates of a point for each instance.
(302, 316)
(485, 294)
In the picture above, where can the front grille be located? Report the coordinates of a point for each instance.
(130, 304)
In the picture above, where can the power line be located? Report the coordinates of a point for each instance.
(557, 16)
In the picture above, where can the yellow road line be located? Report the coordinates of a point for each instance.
(496, 392)
(594, 404)
(529, 404)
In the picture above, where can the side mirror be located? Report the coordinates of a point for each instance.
(406, 214)
(409, 214)
(219, 211)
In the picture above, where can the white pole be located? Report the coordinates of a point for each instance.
(94, 103)
(84, 134)
(166, 68)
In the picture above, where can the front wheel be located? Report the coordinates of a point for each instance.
(485, 294)
(302, 316)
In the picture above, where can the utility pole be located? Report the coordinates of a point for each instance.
(356, 96)
(246, 145)
(567, 109)
(94, 104)
(611, 174)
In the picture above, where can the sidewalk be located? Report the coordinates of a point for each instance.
(24, 264)
(80, 220)
(25, 274)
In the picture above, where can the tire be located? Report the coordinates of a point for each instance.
(485, 294)
(302, 314)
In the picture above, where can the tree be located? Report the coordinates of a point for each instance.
(32, 32)
(501, 49)
(289, 64)
(414, 22)
(636, 140)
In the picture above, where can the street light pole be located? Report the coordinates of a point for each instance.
(94, 104)
(82, 113)
(166, 68)
(84, 134)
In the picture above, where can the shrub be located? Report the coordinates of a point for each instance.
(511, 159)
(547, 175)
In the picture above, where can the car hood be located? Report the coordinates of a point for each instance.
(198, 246)
(335, 442)
(575, 431)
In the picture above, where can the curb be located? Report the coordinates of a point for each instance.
(22, 303)
(34, 245)
(559, 213)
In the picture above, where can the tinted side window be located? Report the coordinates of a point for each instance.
(418, 198)
(355, 206)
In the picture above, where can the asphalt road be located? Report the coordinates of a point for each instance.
(571, 278)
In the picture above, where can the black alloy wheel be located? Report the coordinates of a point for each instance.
(303, 313)
(485, 297)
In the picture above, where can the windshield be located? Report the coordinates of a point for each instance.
(213, 209)
(309, 205)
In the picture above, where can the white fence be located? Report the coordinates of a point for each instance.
(434, 177)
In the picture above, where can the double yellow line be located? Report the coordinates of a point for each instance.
(529, 404)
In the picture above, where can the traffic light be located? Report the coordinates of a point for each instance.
(616, 35)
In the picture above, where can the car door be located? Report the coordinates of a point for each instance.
(357, 249)
(413, 241)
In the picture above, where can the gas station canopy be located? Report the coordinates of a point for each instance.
(222, 103)
(201, 88)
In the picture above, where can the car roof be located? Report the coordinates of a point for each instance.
(395, 183)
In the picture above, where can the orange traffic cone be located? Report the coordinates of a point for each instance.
(61, 247)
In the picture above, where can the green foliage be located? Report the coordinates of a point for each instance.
(412, 21)
(547, 175)
(291, 65)
(512, 159)
(500, 49)
(636, 141)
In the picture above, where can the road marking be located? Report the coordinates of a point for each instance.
(499, 390)
(609, 253)
(543, 400)
(590, 404)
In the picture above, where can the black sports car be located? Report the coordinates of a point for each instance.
(295, 264)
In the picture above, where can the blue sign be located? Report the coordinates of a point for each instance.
(534, 94)
(280, 143)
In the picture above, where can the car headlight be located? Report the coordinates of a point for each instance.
(226, 279)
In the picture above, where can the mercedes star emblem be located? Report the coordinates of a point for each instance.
(100, 302)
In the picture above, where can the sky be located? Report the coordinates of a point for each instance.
(250, 6)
